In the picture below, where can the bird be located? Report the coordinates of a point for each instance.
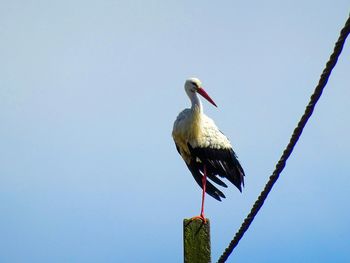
(206, 151)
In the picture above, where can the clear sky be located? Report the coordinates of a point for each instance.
(89, 91)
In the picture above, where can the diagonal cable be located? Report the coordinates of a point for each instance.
(293, 141)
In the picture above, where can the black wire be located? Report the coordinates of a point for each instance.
(293, 140)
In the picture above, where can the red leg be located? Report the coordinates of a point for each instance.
(204, 186)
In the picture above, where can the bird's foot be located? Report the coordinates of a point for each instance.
(201, 217)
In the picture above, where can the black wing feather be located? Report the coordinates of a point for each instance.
(194, 167)
(222, 162)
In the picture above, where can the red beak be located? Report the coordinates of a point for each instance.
(205, 95)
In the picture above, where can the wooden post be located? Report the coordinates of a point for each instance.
(196, 241)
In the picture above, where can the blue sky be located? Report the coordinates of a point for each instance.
(89, 91)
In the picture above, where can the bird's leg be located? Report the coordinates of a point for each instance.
(204, 186)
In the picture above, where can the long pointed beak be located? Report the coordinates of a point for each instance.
(205, 95)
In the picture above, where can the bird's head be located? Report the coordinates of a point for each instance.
(194, 85)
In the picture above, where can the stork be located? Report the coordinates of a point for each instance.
(205, 149)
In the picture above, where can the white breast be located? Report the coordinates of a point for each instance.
(198, 130)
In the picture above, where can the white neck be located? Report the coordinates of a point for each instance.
(196, 102)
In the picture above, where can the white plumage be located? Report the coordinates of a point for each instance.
(205, 135)
(206, 151)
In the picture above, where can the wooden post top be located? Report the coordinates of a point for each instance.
(196, 241)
